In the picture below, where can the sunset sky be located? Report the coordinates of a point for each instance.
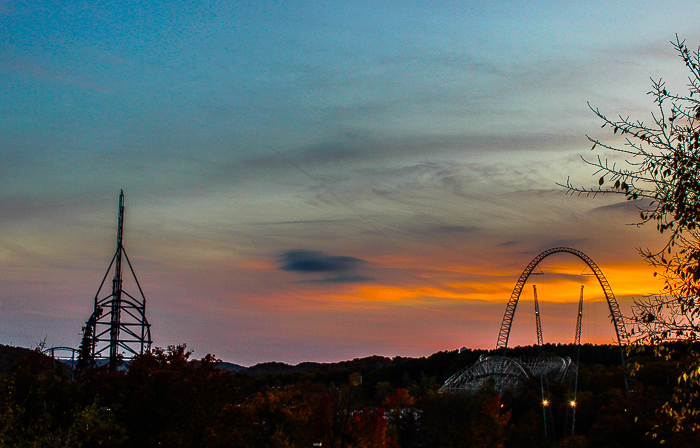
(320, 180)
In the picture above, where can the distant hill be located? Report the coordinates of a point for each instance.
(9, 355)
(403, 370)
(357, 364)
(439, 365)
(230, 366)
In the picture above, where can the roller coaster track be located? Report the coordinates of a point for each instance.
(615, 314)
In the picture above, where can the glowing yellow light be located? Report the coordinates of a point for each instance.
(572, 403)
(545, 402)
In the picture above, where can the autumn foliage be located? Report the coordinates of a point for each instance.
(165, 398)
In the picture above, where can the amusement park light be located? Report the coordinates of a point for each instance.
(545, 402)
(572, 403)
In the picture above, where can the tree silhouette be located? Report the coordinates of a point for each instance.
(661, 172)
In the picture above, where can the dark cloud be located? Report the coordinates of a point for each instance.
(316, 261)
(339, 269)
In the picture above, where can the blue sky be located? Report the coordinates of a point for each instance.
(422, 140)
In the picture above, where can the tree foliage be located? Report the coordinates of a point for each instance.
(41, 407)
(661, 172)
(166, 398)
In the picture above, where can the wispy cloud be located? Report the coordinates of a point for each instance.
(341, 279)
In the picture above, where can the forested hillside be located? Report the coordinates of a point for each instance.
(165, 399)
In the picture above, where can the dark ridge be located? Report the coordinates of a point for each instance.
(230, 366)
(439, 365)
(10, 355)
(357, 364)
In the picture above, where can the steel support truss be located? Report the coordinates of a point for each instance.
(118, 327)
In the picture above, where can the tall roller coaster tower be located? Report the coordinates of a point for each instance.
(118, 328)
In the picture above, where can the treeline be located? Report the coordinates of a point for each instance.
(166, 399)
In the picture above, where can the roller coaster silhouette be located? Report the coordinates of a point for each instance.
(514, 374)
(117, 329)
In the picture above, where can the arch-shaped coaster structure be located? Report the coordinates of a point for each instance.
(615, 315)
(509, 374)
